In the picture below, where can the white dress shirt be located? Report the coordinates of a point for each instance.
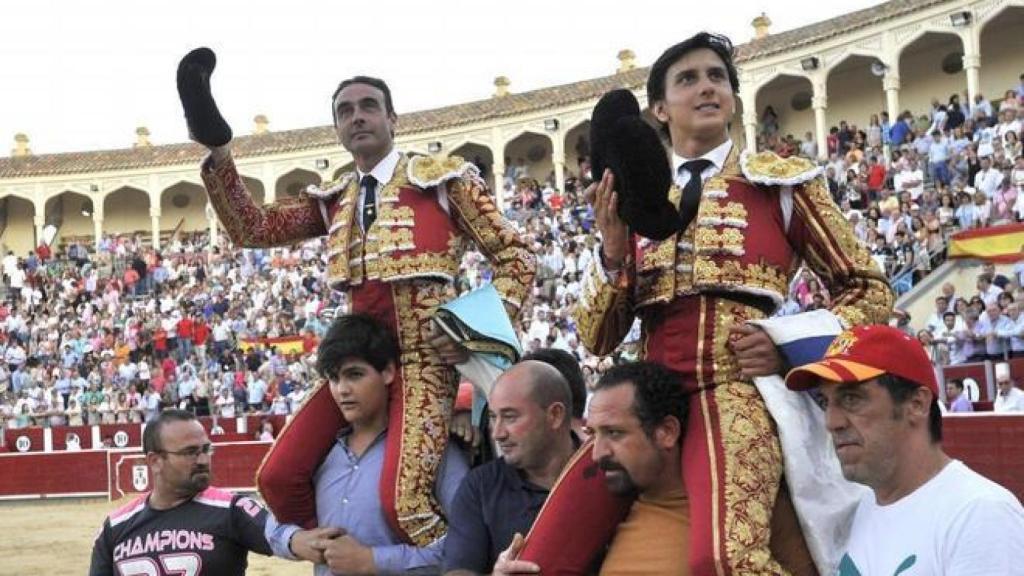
(383, 172)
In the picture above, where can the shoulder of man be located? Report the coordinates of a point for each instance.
(330, 189)
(771, 169)
(432, 171)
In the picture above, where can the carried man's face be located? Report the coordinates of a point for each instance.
(364, 126)
(698, 96)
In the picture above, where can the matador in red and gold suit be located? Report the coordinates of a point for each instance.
(760, 216)
(399, 270)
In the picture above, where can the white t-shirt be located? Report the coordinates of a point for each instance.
(957, 523)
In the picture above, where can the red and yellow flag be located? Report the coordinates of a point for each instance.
(284, 345)
(1002, 244)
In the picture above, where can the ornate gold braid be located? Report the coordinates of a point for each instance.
(514, 264)
(283, 222)
(860, 293)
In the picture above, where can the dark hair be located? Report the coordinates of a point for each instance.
(717, 43)
(356, 336)
(569, 368)
(151, 441)
(900, 390)
(958, 383)
(657, 392)
(369, 81)
(946, 314)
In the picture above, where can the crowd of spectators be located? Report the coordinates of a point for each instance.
(117, 334)
(907, 184)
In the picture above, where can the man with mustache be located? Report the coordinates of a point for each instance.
(184, 526)
(637, 419)
(397, 227)
(926, 513)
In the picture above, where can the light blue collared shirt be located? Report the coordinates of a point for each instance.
(348, 496)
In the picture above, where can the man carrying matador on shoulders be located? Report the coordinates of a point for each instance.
(396, 229)
(701, 244)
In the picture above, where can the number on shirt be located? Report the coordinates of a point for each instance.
(185, 564)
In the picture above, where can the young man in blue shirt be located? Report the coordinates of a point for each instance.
(359, 356)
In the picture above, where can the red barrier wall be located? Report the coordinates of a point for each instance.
(97, 472)
(990, 444)
(42, 474)
(234, 467)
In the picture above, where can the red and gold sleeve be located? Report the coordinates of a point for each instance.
(604, 313)
(283, 222)
(514, 264)
(859, 292)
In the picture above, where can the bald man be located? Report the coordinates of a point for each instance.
(530, 414)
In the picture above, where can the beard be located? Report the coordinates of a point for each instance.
(616, 478)
(198, 481)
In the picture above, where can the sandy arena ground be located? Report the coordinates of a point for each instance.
(46, 538)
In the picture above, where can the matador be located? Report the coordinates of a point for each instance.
(746, 223)
(397, 227)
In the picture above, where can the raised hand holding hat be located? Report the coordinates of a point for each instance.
(622, 141)
(205, 123)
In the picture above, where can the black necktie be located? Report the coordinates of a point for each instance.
(691, 192)
(369, 185)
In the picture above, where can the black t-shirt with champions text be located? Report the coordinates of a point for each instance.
(211, 534)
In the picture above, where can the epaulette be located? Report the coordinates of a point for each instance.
(772, 169)
(329, 189)
(429, 171)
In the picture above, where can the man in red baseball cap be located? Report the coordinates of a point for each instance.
(927, 513)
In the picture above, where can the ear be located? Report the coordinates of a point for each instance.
(556, 415)
(389, 373)
(660, 111)
(918, 406)
(668, 432)
(154, 461)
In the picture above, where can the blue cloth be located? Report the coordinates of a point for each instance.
(493, 503)
(348, 497)
(480, 317)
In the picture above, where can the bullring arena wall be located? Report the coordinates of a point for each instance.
(37, 462)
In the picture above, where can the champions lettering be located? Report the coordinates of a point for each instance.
(164, 541)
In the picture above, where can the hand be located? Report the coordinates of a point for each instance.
(507, 564)
(451, 352)
(462, 428)
(614, 236)
(205, 124)
(345, 555)
(302, 544)
(755, 352)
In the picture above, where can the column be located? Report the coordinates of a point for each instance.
(972, 65)
(97, 225)
(558, 156)
(211, 219)
(154, 216)
(970, 37)
(891, 85)
(750, 129)
(40, 221)
(820, 103)
(269, 184)
(498, 167)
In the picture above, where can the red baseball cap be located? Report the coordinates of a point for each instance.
(866, 352)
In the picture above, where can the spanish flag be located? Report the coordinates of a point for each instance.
(284, 345)
(1001, 244)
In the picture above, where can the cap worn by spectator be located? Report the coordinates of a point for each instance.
(866, 352)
